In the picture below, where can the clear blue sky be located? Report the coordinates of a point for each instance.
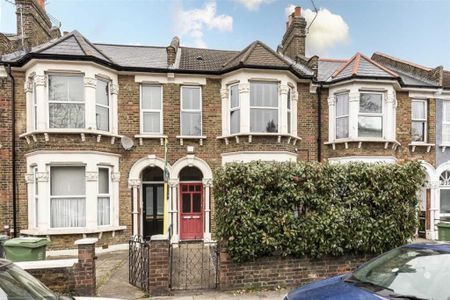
(413, 30)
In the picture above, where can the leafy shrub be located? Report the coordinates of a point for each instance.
(314, 210)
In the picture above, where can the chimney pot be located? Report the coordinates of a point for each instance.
(298, 11)
(41, 3)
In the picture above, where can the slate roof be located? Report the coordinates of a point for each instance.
(446, 79)
(327, 67)
(362, 66)
(204, 59)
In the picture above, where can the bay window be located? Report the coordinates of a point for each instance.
(34, 107)
(342, 116)
(289, 110)
(419, 120)
(191, 111)
(67, 196)
(234, 109)
(370, 117)
(103, 105)
(151, 109)
(264, 107)
(446, 122)
(104, 197)
(66, 101)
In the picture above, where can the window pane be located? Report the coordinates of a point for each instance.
(196, 203)
(103, 211)
(151, 97)
(65, 88)
(151, 122)
(186, 203)
(370, 126)
(191, 123)
(102, 93)
(234, 96)
(68, 212)
(65, 115)
(289, 98)
(191, 97)
(103, 181)
(446, 109)
(445, 201)
(149, 200)
(264, 94)
(102, 118)
(342, 128)
(234, 121)
(370, 103)
(160, 200)
(446, 132)
(263, 120)
(418, 131)
(67, 181)
(418, 110)
(152, 174)
(289, 122)
(341, 105)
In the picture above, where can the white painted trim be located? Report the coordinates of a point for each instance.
(165, 78)
(191, 110)
(189, 161)
(248, 156)
(40, 152)
(46, 264)
(148, 161)
(425, 101)
(142, 110)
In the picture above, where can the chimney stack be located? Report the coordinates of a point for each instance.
(293, 42)
(172, 50)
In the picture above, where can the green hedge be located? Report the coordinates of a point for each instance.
(310, 209)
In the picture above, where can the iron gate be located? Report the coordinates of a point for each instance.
(138, 262)
(193, 265)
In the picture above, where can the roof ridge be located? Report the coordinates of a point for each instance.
(249, 51)
(356, 65)
(380, 66)
(333, 59)
(236, 56)
(404, 61)
(126, 45)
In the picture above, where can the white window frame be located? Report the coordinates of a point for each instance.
(425, 121)
(191, 110)
(51, 197)
(109, 106)
(266, 107)
(371, 114)
(445, 103)
(34, 107)
(232, 109)
(142, 110)
(336, 117)
(289, 110)
(65, 102)
(109, 195)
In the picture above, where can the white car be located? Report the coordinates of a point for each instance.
(16, 283)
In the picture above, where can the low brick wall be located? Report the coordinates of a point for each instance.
(75, 277)
(270, 272)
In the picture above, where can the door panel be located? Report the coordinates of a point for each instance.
(153, 205)
(191, 216)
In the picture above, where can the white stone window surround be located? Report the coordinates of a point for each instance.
(92, 161)
(37, 86)
(243, 79)
(142, 111)
(354, 89)
(424, 120)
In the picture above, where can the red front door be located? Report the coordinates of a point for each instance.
(191, 208)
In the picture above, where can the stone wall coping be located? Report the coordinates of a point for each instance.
(87, 241)
(47, 264)
(98, 250)
(56, 231)
(159, 237)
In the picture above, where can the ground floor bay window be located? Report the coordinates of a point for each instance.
(72, 192)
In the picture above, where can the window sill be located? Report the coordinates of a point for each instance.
(82, 132)
(60, 231)
(444, 146)
(413, 146)
(360, 141)
(200, 138)
(143, 136)
(236, 136)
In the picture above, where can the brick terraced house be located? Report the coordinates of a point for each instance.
(84, 126)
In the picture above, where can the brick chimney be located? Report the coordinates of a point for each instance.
(293, 43)
(172, 50)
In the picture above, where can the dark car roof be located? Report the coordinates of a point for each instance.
(432, 246)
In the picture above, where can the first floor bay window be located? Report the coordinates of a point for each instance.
(66, 101)
(234, 109)
(102, 105)
(67, 196)
(191, 111)
(370, 117)
(264, 107)
(446, 122)
(342, 116)
(104, 197)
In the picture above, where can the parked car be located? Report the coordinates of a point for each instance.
(16, 283)
(416, 271)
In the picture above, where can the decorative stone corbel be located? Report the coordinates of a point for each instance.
(90, 82)
(244, 87)
(331, 101)
(284, 89)
(28, 86)
(42, 176)
(207, 182)
(114, 89)
(173, 182)
(39, 80)
(115, 176)
(134, 183)
(224, 94)
(29, 178)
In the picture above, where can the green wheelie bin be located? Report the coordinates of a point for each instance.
(25, 248)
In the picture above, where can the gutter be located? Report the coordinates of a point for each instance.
(13, 148)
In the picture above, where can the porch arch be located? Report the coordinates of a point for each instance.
(191, 161)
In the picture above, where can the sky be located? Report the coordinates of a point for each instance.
(415, 30)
